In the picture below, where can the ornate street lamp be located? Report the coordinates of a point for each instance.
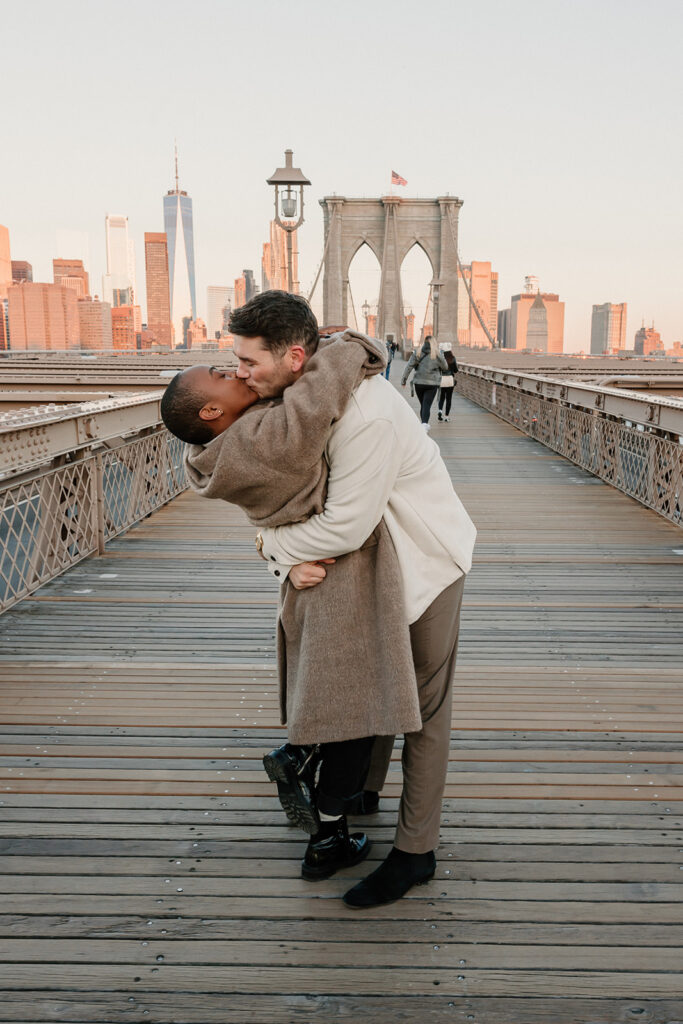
(366, 313)
(288, 178)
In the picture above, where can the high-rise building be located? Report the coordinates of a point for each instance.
(71, 274)
(5, 262)
(483, 284)
(647, 341)
(42, 316)
(410, 327)
(4, 326)
(218, 298)
(126, 328)
(158, 288)
(118, 284)
(608, 328)
(542, 330)
(180, 235)
(94, 320)
(196, 334)
(274, 260)
(244, 288)
(21, 271)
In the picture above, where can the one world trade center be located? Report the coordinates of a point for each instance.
(180, 236)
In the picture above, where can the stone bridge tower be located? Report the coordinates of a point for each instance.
(391, 226)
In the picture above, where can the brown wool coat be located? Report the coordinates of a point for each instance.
(344, 659)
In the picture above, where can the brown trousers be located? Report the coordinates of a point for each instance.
(434, 641)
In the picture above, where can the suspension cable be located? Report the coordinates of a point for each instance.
(473, 304)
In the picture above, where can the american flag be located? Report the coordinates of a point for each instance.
(396, 179)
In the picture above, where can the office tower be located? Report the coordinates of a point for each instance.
(118, 284)
(4, 326)
(5, 262)
(483, 284)
(503, 327)
(196, 334)
(21, 271)
(546, 325)
(372, 325)
(158, 288)
(647, 341)
(274, 260)
(608, 328)
(250, 289)
(126, 328)
(95, 325)
(71, 274)
(218, 298)
(410, 327)
(180, 238)
(42, 316)
(239, 292)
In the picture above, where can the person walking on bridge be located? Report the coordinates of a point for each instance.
(429, 366)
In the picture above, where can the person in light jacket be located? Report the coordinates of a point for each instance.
(428, 367)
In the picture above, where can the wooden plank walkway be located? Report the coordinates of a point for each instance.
(149, 875)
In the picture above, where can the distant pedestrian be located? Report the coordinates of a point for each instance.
(429, 367)
(447, 385)
(392, 349)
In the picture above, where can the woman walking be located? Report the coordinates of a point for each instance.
(447, 385)
(429, 367)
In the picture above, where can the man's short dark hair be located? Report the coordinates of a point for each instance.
(280, 318)
(180, 405)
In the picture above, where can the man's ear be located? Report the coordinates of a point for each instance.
(210, 412)
(297, 357)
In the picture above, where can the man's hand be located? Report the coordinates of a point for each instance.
(309, 574)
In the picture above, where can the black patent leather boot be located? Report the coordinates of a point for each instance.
(332, 848)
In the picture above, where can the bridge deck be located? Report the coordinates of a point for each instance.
(150, 875)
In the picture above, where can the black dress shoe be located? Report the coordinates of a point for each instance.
(367, 803)
(332, 848)
(392, 879)
(294, 768)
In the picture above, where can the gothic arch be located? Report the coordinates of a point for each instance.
(391, 226)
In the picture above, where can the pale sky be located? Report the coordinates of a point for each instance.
(556, 121)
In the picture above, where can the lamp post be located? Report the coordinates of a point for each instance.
(366, 313)
(288, 178)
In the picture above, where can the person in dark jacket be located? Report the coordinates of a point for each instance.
(429, 366)
(447, 385)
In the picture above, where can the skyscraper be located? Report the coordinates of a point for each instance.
(5, 262)
(125, 331)
(274, 260)
(118, 284)
(180, 236)
(535, 320)
(158, 288)
(43, 316)
(647, 341)
(21, 271)
(483, 284)
(94, 321)
(608, 328)
(71, 274)
(217, 298)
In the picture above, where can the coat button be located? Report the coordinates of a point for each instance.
(277, 572)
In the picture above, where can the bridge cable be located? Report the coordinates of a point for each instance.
(473, 304)
(327, 245)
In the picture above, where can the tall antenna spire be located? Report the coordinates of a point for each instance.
(176, 165)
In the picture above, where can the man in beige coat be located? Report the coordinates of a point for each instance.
(381, 465)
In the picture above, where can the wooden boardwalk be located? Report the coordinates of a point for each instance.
(149, 875)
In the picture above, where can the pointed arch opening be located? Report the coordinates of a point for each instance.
(416, 277)
(362, 290)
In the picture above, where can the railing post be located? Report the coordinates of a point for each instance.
(99, 502)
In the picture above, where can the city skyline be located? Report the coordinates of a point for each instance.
(575, 179)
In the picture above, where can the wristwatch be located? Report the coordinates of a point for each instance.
(258, 541)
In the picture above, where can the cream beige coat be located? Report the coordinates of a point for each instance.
(344, 657)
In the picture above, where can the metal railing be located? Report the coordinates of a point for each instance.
(632, 441)
(73, 478)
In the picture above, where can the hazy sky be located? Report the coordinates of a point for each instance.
(556, 121)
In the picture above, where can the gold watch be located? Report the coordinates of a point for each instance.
(258, 541)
